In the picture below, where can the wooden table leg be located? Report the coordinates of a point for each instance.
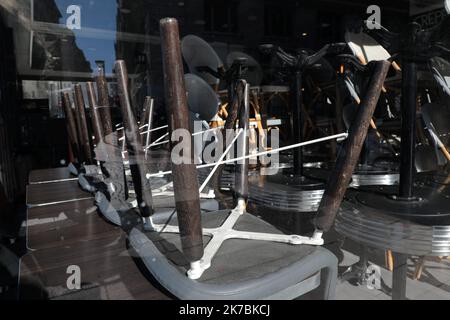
(399, 276)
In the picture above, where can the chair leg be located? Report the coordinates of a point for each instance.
(441, 259)
(420, 264)
(223, 110)
(389, 261)
(261, 133)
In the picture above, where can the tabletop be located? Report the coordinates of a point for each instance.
(54, 193)
(50, 175)
(68, 239)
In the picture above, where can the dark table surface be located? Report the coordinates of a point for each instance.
(56, 192)
(73, 234)
(106, 267)
(62, 224)
(50, 175)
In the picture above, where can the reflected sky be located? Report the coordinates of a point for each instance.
(99, 14)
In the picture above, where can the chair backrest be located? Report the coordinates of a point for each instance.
(254, 75)
(202, 99)
(198, 53)
(363, 45)
(426, 159)
(441, 71)
(437, 118)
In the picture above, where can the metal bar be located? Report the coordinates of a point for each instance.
(142, 128)
(153, 130)
(84, 132)
(408, 146)
(103, 99)
(348, 157)
(71, 125)
(241, 177)
(227, 151)
(297, 118)
(118, 128)
(341, 136)
(134, 144)
(168, 141)
(95, 114)
(184, 175)
(149, 104)
(145, 111)
(157, 141)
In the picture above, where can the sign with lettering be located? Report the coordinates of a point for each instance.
(430, 19)
(78, 14)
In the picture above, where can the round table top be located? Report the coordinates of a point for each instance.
(275, 89)
(367, 219)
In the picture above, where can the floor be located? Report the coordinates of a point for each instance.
(433, 285)
(122, 277)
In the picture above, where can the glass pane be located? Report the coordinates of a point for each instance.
(348, 149)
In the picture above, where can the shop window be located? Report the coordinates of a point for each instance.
(221, 16)
(278, 20)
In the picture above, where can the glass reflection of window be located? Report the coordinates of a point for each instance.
(221, 16)
(278, 19)
(57, 48)
(95, 14)
(109, 30)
